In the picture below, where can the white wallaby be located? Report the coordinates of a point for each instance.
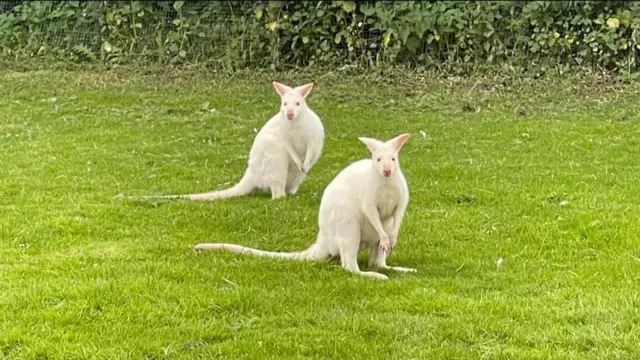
(363, 207)
(283, 152)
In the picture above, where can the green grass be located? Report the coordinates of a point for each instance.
(543, 175)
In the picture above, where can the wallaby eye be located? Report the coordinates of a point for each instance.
(298, 104)
(285, 104)
(393, 159)
(378, 159)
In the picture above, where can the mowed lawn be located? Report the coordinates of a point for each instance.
(523, 223)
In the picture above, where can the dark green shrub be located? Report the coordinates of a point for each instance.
(457, 35)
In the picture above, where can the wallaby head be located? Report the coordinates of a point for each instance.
(385, 154)
(292, 99)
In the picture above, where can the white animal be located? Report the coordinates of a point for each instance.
(283, 152)
(363, 207)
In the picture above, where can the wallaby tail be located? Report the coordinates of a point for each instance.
(308, 254)
(244, 187)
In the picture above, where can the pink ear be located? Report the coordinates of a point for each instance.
(304, 90)
(281, 89)
(398, 141)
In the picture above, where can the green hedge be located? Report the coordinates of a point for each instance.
(456, 35)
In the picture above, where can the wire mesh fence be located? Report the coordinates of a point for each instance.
(232, 33)
(462, 34)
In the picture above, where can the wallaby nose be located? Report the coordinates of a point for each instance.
(290, 115)
(386, 173)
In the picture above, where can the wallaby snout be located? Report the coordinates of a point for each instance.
(387, 168)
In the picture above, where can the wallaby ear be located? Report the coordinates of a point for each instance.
(281, 89)
(304, 90)
(399, 141)
(372, 144)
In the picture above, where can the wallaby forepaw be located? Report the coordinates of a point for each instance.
(385, 245)
(394, 242)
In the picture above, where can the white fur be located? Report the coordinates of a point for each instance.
(283, 152)
(361, 208)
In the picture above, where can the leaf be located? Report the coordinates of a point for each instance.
(274, 4)
(413, 44)
(349, 6)
(387, 36)
(273, 26)
(259, 14)
(613, 23)
(182, 54)
(305, 40)
(84, 50)
(624, 17)
(174, 48)
(178, 5)
(404, 34)
(325, 46)
(107, 47)
(367, 10)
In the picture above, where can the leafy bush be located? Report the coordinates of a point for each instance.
(456, 35)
